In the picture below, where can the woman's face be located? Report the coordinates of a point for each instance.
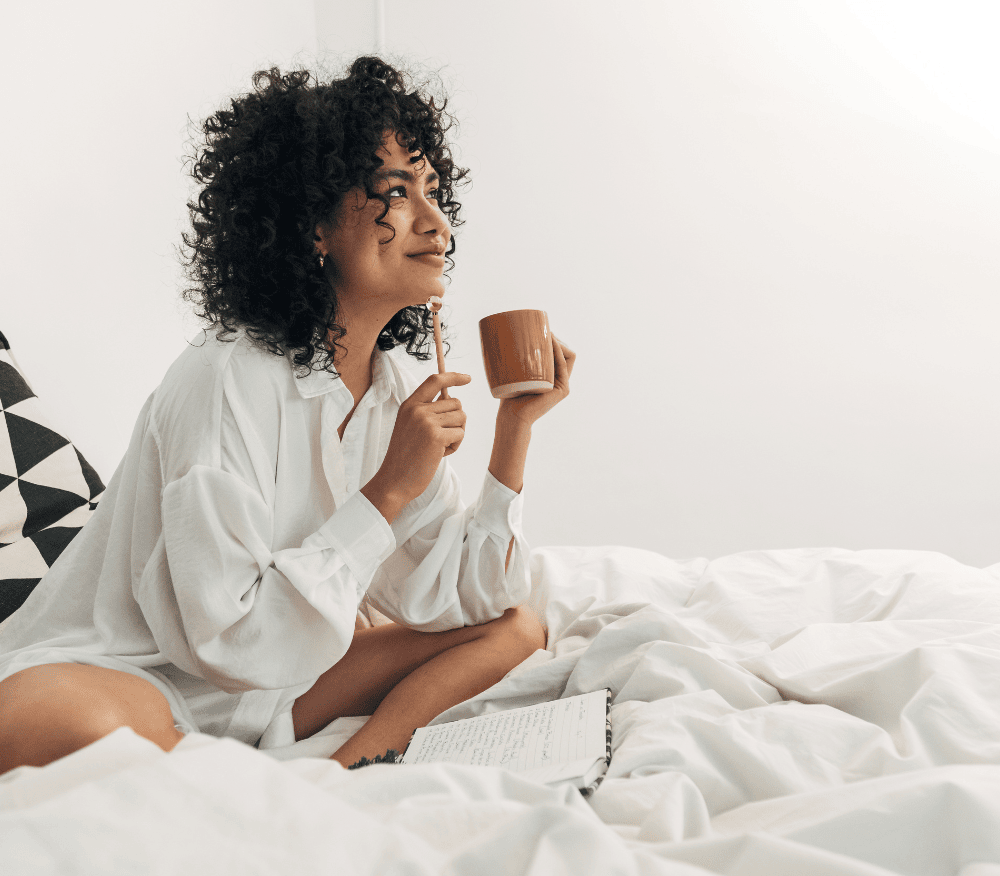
(390, 274)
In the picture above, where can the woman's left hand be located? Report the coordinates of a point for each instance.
(528, 408)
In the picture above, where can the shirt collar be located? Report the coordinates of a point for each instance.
(387, 380)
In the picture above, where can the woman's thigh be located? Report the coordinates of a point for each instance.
(54, 709)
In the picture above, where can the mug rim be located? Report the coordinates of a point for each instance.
(518, 310)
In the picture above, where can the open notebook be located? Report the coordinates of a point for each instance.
(567, 740)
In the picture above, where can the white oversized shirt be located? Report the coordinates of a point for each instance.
(232, 549)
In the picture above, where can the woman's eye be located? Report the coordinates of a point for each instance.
(433, 192)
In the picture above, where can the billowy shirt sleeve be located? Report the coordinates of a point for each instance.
(448, 571)
(253, 618)
(245, 616)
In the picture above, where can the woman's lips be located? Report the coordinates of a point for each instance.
(429, 258)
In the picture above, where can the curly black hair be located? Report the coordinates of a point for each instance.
(273, 167)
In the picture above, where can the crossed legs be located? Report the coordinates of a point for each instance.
(402, 678)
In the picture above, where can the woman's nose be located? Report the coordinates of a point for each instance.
(429, 216)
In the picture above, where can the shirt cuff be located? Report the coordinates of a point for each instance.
(362, 538)
(499, 508)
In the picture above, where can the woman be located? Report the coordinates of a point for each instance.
(289, 468)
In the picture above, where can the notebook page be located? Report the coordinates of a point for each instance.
(545, 734)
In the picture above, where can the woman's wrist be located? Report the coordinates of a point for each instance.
(388, 503)
(510, 451)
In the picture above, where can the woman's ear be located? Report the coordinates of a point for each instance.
(321, 238)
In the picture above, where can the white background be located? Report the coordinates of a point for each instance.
(768, 229)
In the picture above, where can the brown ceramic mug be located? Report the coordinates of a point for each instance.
(517, 353)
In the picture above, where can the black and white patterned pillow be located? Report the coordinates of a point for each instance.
(48, 491)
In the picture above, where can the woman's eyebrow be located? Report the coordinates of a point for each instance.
(403, 174)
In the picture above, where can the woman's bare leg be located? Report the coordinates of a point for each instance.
(52, 710)
(403, 678)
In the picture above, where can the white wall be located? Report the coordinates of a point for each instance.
(772, 245)
(95, 107)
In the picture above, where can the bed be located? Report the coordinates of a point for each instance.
(813, 711)
(808, 711)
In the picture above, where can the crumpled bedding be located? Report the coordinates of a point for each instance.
(814, 711)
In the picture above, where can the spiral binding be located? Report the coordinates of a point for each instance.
(593, 785)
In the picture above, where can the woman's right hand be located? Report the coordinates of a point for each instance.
(426, 431)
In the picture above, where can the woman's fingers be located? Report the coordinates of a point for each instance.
(564, 357)
(567, 353)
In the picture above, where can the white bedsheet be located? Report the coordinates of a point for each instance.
(815, 711)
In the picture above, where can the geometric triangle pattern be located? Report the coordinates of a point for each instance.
(48, 491)
(30, 442)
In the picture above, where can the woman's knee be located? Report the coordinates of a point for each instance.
(520, 625)
(49, 711)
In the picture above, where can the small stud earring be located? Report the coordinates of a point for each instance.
(322, 258)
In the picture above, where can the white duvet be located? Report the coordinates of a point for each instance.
(815, 711)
